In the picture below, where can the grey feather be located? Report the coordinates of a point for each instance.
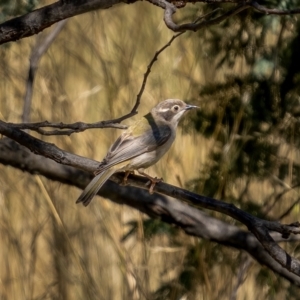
(94, 186)
(127, 147)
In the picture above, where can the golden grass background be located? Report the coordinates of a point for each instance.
(54, 249)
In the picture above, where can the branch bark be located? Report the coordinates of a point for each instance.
(38, 20)
(260, 228)
(192, 221)
(68, 129)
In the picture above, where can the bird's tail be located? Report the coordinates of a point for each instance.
(94, 186)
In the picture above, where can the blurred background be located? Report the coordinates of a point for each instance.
(242, 146)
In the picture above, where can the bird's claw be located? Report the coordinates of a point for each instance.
(154, 181)
(127, 173)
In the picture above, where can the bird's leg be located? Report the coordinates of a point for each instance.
(154, 180)
(127, 173)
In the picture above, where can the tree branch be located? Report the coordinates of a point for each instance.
(170, 10)
(146, 75)
(68, 129)
(46, 149)
(154, 59)
(39, 19)
(274, 11)
(192, 221)
(260, 228)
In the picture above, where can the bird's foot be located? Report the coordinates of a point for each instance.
(127, 173)
(154, 181)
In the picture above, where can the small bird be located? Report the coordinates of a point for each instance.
(140, 146)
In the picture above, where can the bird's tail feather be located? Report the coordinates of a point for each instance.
(94, 186)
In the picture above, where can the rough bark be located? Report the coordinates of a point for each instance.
(193, 221)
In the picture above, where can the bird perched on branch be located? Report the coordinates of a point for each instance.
(140, 146)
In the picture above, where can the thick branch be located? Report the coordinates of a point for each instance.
(192, 221)
(46, 149)
(37, 20)
(170, 10)
(260, 228)
(274, 11)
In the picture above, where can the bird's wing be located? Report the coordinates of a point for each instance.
(128, 146)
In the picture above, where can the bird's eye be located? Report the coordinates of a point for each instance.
(175, 107)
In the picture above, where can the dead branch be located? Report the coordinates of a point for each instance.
(38, 20)
(153, 60)
(45, 149)
(274, 11)
(65, 129)
(192, 221)
(170, 10)
(68, 129)
(260, 228)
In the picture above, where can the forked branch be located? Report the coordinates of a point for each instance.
(238, 6)
(39, 19)
(68, 129)
(260, 228)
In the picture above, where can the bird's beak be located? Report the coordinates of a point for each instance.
(188, 107)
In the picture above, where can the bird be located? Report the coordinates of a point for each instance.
(140, 146)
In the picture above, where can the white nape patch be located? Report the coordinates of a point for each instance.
(163, 109)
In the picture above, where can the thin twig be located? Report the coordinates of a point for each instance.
(39, 19)
(269, 207)
(65, 129)
(170, 10)
(274, 11)
(289, 210)
(146, 75)
(155, 57)
(68, 129)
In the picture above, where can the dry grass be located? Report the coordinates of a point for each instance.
(53, 249)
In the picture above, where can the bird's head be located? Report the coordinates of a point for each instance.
(171, 110)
